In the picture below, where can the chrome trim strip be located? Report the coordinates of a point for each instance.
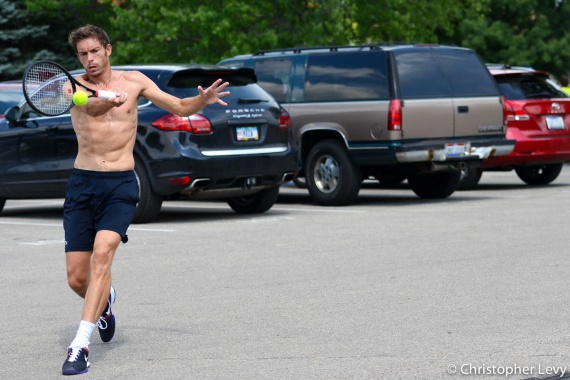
(243, 152)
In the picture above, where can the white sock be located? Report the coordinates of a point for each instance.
(83, 337)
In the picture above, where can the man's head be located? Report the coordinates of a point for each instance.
(88, 31)
(564, 80)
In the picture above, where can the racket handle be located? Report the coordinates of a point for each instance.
(105, 94)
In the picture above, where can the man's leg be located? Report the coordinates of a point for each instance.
(106, 243)
(89, 275)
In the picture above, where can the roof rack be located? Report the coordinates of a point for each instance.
(370, 46)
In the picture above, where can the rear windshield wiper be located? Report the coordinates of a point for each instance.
(251, 101)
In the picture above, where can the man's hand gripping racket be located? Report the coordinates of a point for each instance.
(49, 88)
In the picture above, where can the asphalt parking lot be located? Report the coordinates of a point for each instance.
(392, 287)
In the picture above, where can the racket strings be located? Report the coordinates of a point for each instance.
(45, 86)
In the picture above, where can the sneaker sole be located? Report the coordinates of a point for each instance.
(71, 371)
(74, 372)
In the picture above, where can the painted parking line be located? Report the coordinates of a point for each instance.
(60, 226)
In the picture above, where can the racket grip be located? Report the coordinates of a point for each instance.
(105, 94)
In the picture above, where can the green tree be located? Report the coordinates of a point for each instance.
(205, 31)
(64, 16)
(524, 33)
(24, 37)
(421, 21)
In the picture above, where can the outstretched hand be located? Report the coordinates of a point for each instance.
(213, 93)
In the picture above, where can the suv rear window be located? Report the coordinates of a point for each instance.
(242, 84)
(420, 75)
(346, 77)
(521, 87)
(467, 75)
(463, 75)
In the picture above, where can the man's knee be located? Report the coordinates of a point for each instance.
(78, 281)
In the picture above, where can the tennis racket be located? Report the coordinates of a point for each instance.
(49, 88)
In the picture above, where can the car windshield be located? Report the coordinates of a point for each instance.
(527, 87)
(9, 98)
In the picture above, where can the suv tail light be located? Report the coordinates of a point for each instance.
(395, 115)
(284, 120)
(196, 124)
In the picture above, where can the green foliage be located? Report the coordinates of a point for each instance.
(22, 39)
(524, 33)
(207, 31)
(521, 32)
(428, 21)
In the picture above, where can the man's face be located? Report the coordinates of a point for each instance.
(93, 56)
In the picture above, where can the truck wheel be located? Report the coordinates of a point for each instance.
(470, 177)
(332, 177)
(149, 202)
(255, 203)
(540, 174)
(435, 185)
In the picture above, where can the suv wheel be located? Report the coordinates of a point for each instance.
(255, 203)
(470, 177)
(435, 185)
(149, 202)
(540, 174)
(332, 178)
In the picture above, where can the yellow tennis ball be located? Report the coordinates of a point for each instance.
(80, 98)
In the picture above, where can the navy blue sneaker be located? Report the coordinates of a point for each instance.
(106, 322)
(77, 361)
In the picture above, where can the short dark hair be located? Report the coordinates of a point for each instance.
(88, 31)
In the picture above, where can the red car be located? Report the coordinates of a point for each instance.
(538, 118)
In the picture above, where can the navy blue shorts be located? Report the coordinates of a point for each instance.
(96, 201)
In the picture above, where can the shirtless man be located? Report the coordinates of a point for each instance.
(102, 191)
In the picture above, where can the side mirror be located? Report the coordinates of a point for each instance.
(12, 114)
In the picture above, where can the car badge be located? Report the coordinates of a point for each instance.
(556, 108)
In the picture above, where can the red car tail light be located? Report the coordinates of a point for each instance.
(196, 124)
(515, 113)
(284, 120)
(395, 115)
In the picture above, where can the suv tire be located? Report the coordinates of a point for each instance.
(149, 202)
(539, 174)
(332, 177)
(255, 203)
(470, 177)
(435, 185)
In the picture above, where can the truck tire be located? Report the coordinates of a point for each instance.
(333, 179)
(435, 185)
(255, 203)
(470, 177)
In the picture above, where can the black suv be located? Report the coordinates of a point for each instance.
(241, 153)
(390, 112)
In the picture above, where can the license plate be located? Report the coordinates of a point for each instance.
(555, 122)
(247, 133)
(456, 150)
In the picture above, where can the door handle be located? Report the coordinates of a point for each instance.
(463, 109)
